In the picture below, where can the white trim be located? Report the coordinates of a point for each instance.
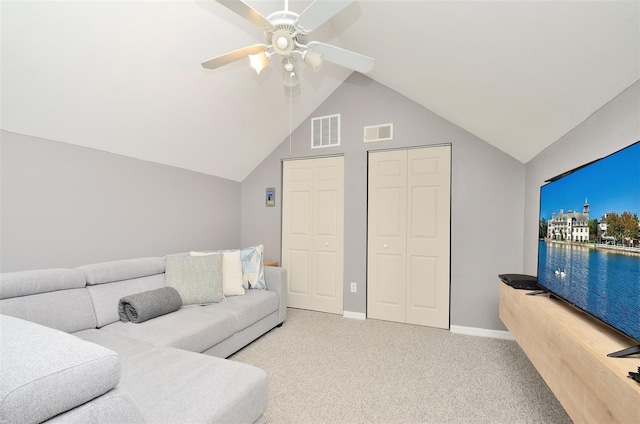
(319, 120)
(482, 332)
(377, 133)
(354, 315)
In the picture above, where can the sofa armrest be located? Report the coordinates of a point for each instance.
(46, 372)
(275, 278)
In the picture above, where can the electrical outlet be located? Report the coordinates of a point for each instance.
(354, 287)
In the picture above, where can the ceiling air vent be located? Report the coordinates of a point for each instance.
(378, 133)
(325, 131)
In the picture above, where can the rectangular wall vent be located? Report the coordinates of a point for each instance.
(378, 133)
(325, 131)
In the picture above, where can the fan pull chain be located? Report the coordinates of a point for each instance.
(290, 112)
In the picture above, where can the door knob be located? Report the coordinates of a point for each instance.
(385, 246)
(326, 244)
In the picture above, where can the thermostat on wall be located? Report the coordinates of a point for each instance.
(270, 199)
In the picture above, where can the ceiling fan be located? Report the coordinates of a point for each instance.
(286, 34)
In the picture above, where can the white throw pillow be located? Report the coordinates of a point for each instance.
(232, 273)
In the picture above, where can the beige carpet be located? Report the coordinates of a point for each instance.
(324, 368)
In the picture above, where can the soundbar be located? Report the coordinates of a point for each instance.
(520, 281)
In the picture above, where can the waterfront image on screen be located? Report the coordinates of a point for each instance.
(589, 247)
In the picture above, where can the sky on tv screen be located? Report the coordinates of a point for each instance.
(608, 185)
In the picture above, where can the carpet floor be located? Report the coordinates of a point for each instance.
(324, 368)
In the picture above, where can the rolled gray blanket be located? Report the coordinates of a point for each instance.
(143, 306)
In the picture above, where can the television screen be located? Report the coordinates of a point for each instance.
(589, 247)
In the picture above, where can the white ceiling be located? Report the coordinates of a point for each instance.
(125, 76)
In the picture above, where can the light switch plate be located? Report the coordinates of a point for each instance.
(270, 197)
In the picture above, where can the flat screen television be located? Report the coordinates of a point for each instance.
(589, 246)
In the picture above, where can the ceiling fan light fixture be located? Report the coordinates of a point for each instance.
(290, 75)
(282, 42)
(291, 79)
(259, 61)
(313, 59)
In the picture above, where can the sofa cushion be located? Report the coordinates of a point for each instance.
(250, 308)
(198, 279)
(114, 407)
(46, 372)
(242, 338)
(195, 328)
(126, 269)
(65, 310)
(121, 345)
(24, 283)
(195, 388)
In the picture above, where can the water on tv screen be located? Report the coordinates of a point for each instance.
(589, 247)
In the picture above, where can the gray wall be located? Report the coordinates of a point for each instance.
(486, 196)
(614, 126)
(64, 206)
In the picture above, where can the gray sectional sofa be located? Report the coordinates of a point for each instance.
(66, 357)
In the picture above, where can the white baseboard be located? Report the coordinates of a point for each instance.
(482, 332)
(354, 315)
(470, 331)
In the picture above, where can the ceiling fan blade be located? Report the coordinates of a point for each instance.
(342, 57)
(233, 56)
(320, 12)
(247, 12)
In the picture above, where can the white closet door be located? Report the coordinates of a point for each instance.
(313, 233)
(428, 236)
(408, 236)
(387, 239)
(297, 230)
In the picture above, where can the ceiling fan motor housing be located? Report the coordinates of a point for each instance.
(285, 22)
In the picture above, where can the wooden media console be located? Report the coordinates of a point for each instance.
(569, 349)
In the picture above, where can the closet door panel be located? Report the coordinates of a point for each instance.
(387, 211)
(428, 234)
(313, 233)
(326, 281)
(297, 230)
(298, 265)
(328, 234)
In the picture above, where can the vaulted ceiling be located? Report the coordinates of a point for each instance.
(125, 76)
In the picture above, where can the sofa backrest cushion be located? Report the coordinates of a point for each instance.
(56, 298)
(46, 372)
(64, 310)
(111, 281)
(126, 269)
(24, 283)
